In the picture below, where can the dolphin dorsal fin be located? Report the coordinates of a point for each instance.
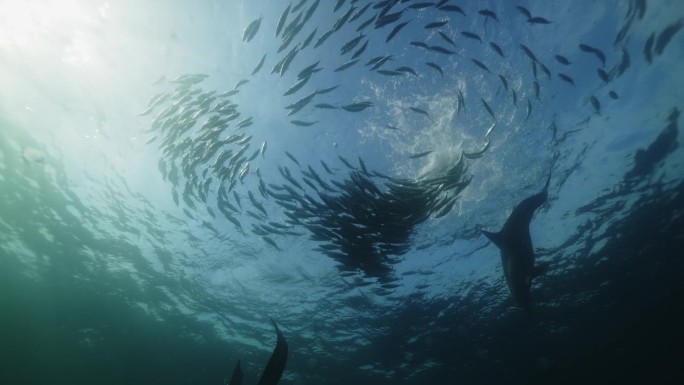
(494, 237)
(237, 375)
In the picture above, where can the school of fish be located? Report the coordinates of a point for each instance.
(360, 217)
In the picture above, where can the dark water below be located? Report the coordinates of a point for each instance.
(60, 330)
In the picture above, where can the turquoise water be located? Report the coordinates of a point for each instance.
(137, 246)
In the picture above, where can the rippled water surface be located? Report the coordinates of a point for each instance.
(175, 174)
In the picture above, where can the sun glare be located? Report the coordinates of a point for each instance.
(39, 27)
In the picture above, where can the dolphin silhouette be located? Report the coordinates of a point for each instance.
(237, 375)
(276, 364)
(274, 368)
(515, 243)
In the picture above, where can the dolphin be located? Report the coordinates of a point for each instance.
(237, 375)
(515, 243)
(274, 368)
(276, 364)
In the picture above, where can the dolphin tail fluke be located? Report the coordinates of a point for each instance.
(276, 364)
(494, 237)
(237, 375)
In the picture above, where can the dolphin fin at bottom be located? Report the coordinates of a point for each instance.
(276, 364)
(237, 375)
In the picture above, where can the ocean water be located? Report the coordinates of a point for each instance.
(163, 196)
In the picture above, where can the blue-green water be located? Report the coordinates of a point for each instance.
(148, 246)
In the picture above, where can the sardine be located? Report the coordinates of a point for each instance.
(338, 5)
(360, 51)
(357, 107)
(325, 105)
(263, 149)
(504, 82)
(562, 59)
(307, 71)
(281, 20)
(524, 11)
(407, 69)
(272, 243)
(303, 123)
(489, 109)
(381, 62)
(529, 53)
(342, 20)
(496, 48)
(359, 13)
(325, 166)
(603, 75)
(326, 90)
(241, 82)
(421, 5)
(538, 20)
(310, 11)
(351, 44)
(666, 35)
(252, 29)
(366, 23)
(471, 35)
(481, 65)
(447, 38)
(420, 154)
(390, 73)
(296, 86)
(566, 78)
(436, 24)
(299, 5)
(436, 67)
(292, 158)
(648, 47)
(323, 38)
(419, 111)
(599, 54)
(346, 65)
(388, 19)
(396, 30)
(346, 163)
(488, 14)
(259, 65)
(596, 104)
(452, 8)
(309, 39)
(442, 50)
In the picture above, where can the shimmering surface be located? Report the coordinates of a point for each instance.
(120, 261)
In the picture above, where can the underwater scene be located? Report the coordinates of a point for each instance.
(341, 192)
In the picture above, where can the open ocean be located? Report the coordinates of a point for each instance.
(176, 175)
